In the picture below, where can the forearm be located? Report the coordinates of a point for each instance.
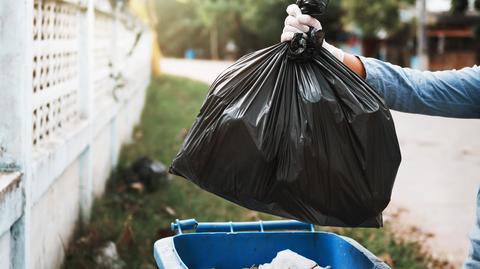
(355, 64)
(446, 93)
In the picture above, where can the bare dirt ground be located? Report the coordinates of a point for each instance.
(437, 182)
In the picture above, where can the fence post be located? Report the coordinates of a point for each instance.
(15, 84)
(87, 100)
(16, 94)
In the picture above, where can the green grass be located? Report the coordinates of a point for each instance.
(135, 220)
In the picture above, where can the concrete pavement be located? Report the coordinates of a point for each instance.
(201, 70)
(439, 177)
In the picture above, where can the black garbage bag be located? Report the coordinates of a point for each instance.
(291, 131)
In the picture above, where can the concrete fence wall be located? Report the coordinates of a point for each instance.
(73, 76)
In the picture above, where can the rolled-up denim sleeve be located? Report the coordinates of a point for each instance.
(453, 93)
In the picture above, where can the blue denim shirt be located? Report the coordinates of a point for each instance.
(446, 93)
(454, 94)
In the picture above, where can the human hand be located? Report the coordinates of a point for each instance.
(296, 22)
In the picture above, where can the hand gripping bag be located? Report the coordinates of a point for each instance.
(291, 131)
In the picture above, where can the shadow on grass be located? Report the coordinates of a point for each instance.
(134, 221)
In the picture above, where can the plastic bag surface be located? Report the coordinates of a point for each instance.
(291, 131)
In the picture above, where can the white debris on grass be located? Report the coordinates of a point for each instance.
(108, 257)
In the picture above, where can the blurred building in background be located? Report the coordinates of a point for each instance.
(453, 43)
(452, 36)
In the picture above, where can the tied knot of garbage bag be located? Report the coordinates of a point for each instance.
(314, 8)
(303, 47)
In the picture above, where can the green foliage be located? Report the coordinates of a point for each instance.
(459, 6)
(373, 16)
(189, 24)
(212, 13)
(178, 28)
(264, 20)
(252, 24)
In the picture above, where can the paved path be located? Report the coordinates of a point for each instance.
(205, 71)
(438, 178)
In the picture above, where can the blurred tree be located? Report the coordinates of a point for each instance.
(264, 19)
(178, 28)
(214, 14)
(476, 4)
(208, 25)
(459, 6)
(373, 16)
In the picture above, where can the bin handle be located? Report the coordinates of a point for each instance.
(179, 226)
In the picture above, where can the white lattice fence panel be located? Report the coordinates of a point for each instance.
(103, 55)
(55, 68)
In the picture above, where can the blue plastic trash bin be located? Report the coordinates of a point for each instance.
(240, 245)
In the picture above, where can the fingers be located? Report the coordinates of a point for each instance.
(296, 22)
(292, 29)
(310, 21)
(289, 32)
(294, 10)
(287, 36)
(292, 21)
